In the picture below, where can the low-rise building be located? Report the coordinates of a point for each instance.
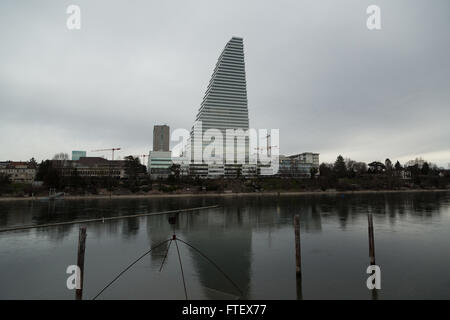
(91, 167)
(159, 164)
(376, 167)
(298, 165)
(19, 171)
(218, 169)
(307, 158)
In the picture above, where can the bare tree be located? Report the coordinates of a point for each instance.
(355, 167)
(61, 156)
(360, 167)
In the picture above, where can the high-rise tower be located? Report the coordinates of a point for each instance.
(224, 105)
(160, 159)
(161, 138)
(224, 108)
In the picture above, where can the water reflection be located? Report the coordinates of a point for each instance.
(345, 206)
(246, 236)
(225, 236)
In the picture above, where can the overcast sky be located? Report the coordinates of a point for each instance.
(314, 71)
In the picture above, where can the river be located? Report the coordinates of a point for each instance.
(251, 238)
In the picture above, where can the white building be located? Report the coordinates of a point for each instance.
(18, 171)
(159, 163)
(298, 165)
(223, 110)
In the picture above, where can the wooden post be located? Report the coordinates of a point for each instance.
(298, 257)
(372, 251)
(371, 241)
(299, 286)
(80, 261)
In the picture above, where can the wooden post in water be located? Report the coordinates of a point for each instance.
(80, 261)
(371, 241)
(372, 251)
(298, 257)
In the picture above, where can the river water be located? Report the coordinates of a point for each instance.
(251, 238)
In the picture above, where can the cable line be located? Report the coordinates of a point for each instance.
(214, 264)
(132, 264)
(174, 239)
(165, 256)
(181, 265)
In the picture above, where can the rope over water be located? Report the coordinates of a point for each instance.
(126, 269)
(175, 239)
(103, 219)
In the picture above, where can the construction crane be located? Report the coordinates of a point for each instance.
(269, 147)
(110, 149)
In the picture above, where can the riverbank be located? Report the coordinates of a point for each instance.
(215, 194)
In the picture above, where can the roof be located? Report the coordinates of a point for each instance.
(376, 164)
(303, 153)
(92, 160)
(88, 162)
(17, 165)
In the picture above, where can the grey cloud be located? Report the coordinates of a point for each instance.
(313, 70)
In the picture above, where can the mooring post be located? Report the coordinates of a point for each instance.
(80, 261)
(298, 258)
(372, 251)
(371, 241)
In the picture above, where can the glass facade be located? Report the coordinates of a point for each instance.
(76, 155)
(224, 107)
